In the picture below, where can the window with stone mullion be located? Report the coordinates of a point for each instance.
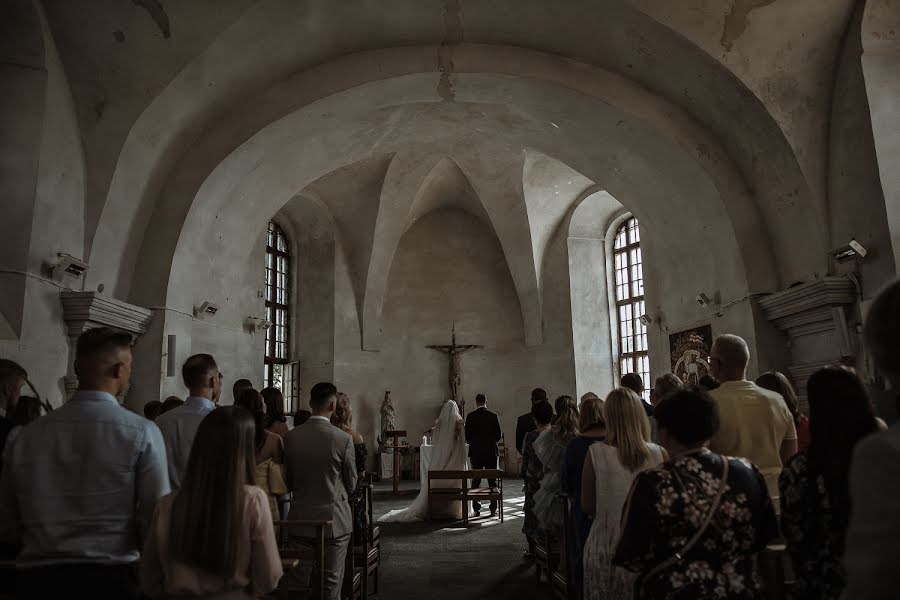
(277, 279)
(629, 293)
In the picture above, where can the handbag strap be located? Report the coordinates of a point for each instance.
(678, 556)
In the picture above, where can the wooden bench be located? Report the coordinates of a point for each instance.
(464, 493)
(295, 549)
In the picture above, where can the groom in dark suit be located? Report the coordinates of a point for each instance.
(482, 434)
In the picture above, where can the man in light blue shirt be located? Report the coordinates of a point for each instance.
(179, 425)
(79, 485)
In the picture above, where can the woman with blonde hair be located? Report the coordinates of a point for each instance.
(608, 472)
(343, 420)
(550, 449)
(592, 427)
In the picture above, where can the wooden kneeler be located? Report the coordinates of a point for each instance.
(464, 493)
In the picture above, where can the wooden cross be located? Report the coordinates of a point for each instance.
(454, 353)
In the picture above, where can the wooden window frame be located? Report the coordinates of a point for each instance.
(273, 306)
(635, 301)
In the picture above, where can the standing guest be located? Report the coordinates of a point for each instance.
(152, 409)
(276, 422)
(179, 425)
(815, 490)
(665, 385)
(238, 388)
(533, 472)
(708, 383)
(28, 409)
(592, 428)
(525, 423)
(102, 470)
(321, 473)
(873, 538)
(754, 423)
(12, 378)
(608, 471)
(777, 382)
(301, 417)
(170, 403)
(229, 552)
(550, 448)
(692, 527)
(482, 434)
(343, 420)
(635, 383)
(269, 450)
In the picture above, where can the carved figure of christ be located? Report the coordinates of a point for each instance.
(454, 354)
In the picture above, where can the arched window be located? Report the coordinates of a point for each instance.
(278, 261)
(633, 355)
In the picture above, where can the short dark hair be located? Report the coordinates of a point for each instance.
(101, 339)
(633, 382)
(538, 394)
(320, 394)
(542, 412)
(480, 399)
(708, 383)
(195, 370)
(10, 368)
(301, 417)
(170, 403)
(152, 408)
(239, 386)
(691, 416)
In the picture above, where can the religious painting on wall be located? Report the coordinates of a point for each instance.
(689, 351)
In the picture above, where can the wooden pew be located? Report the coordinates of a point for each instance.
(296, 549)
(559, 577)
(368, 553)
(464, 493)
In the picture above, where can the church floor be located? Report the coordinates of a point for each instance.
(443, 560)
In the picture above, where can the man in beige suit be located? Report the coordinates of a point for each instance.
(321, 473)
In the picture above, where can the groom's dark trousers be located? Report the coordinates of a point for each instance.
(482, 434)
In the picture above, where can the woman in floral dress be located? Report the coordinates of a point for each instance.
(693, 526)
(815, 492)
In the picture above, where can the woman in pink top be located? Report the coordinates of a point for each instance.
(214, 537)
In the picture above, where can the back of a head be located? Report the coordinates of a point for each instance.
(538, 395)
(343, 412)
(170, 403)
(240, 386)
(542, 412)
(11, 373)
(221, 463)
(274, 400)
(27, 410)
(627, 427)
(633, 382)
(301, 417)
(708, 383)
(101, 354)
(480, 400)
(152, 409)
(666, 385)
(689, 415)
(882, 332)
(251, 401)
(777, 382)
(198, 370)
(566, 417)
(732, 352)
(840, 414)
(590, 413)
(321, 395)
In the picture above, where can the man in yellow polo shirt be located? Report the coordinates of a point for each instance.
(754, 423)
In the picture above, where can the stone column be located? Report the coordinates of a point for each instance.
(821, 330)
(87, 310)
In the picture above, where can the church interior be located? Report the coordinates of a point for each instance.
(537, 194)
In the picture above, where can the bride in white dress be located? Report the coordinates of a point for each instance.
(449, 454)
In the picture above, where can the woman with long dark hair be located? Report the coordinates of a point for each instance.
(269, 449)
(275, 420)
(214, 536)
(550, 449)
(815, 489)
(778, 382)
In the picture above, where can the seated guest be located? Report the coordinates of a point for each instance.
(276, 422)
(152, 409)
(550, 448)
(687, 532)
(179, 425)
(754, 423)
(873, 538)
(12, 378)
(321, 473)
(608, 471)
(238, 388)
(269, 450)
(777, 382)
(533, 472)
(525, 423)
(635, 383)
(592, 428)
(80, 484)
(28, 408)
(170, 403)
(815, 490)
(301, 417)
(229, 552)
(343, 420)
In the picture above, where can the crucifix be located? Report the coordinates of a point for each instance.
(455, 372)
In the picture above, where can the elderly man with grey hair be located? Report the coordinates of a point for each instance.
(873, 538)
(665, 385)
(754, 423)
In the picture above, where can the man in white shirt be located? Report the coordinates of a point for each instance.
(179, 425)
(873, 537)
(754, 423)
